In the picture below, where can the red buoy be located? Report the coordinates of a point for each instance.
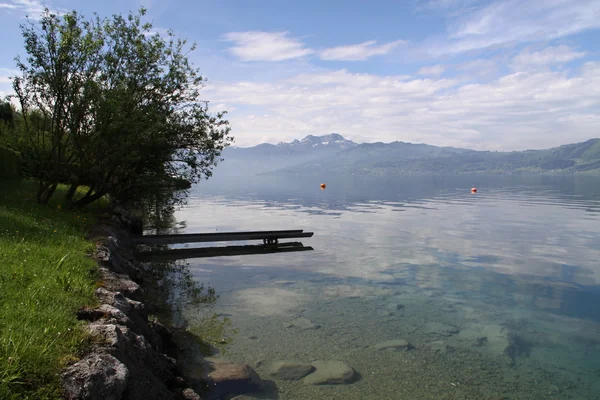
(323, 186)
(473, 189)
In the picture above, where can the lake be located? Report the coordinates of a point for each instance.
(497, 293)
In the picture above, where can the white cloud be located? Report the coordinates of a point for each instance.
(550, 55)
(512, 21)
(266, 46)
(359, 52)
(280, 46)
(31, 8)
(516, 111)
(434, 70)
(34, 7)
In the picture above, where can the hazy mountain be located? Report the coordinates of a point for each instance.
(334, 154)
(270, 157)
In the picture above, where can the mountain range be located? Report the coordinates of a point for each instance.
(334, 154)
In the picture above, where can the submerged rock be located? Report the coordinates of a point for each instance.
(189, 394)
(438, 346)
(396, 344)
(385, 313)
(230, 378)
(441, 329)
(302, 323)
(394, 307)
(330, 373)
(492, 338)
(290, 371)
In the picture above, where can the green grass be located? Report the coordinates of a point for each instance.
(45, 276)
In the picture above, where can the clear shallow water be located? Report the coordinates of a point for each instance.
(498, 292)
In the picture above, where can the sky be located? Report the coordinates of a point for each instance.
(487, 75)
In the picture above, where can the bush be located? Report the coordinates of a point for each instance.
(10, 163)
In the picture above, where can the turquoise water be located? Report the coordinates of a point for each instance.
(498, 292)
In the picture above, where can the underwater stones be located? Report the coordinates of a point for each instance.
(393, 345)
(301, 323)
(189, 394)
(290, 371)
(330, 373)
(480, 341)
(517, 346)
(492, 338)
(268, 301)
(354, 292)
(441, 329)
(230, 378)
(385, 313)
(394, 307)
(438, 346)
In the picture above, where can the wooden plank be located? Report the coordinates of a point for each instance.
(201, 252)
(219, 237)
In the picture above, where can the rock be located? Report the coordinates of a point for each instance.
(115, 299)
(120, 283)
(480, 341)
(497, 340)
(383, 313)
(397, 344)
(393, 307)
(302, 323)
(438, 328)
(290, 371)
(438, 346)
(190, 394)
(354, 291)
(230, 378)
(98, 376)
(330, 373)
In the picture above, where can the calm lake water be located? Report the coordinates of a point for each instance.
(498, 292)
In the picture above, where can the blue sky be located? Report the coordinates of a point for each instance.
(496, 75)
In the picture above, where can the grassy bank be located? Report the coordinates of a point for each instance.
(45, 276)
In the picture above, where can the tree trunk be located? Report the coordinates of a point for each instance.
(71, 192)
(45, 192)
(87, 199)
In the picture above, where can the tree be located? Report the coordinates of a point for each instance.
(108, 105)
(6, 113)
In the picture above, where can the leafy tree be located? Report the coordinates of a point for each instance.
(6, 113)
(108, 105)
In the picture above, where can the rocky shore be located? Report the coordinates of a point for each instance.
(134, 356)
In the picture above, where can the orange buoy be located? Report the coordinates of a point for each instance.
(473, 189)
(323, 186)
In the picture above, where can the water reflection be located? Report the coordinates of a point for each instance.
(516, 263)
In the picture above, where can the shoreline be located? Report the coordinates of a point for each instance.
(136, 356)
(129, 358)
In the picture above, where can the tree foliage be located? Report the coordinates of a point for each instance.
(108, 105)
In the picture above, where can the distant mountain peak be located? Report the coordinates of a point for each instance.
(332, 140)
(332, 137)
